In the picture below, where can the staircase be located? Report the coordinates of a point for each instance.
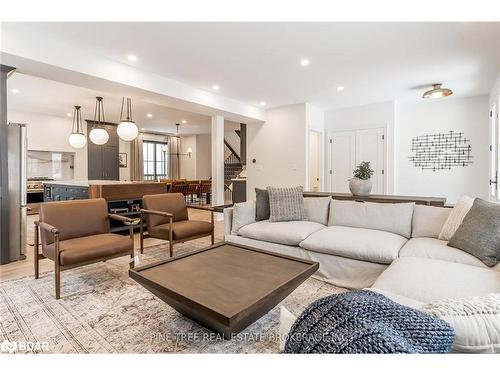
(232, 169)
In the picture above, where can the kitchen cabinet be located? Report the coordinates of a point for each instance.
(103, 162)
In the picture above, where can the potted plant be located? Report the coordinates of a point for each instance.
(361, 184)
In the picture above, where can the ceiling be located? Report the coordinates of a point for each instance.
(255, 62)
(38, 95)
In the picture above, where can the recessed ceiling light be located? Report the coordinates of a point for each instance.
(304, 62)
(184, 121)
(132, 57)
(142, 129)
(340, 88)
(215, 87)
(15, 91)
(149, 115)
(263, 103)
(69, 114)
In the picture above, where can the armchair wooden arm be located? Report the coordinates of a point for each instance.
(127, 221)
(160, 213)
(46, 227)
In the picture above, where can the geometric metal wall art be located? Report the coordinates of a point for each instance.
(441, 151)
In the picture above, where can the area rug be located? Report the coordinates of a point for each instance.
(102, 310)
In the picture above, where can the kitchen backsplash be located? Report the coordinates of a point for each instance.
(51, 164)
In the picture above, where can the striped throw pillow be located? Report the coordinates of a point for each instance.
(286, 204)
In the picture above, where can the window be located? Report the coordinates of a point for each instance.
(155, 156)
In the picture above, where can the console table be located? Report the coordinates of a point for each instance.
(427, 201)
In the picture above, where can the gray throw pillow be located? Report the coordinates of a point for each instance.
(286, 204)
(261, 204)
(479, 233)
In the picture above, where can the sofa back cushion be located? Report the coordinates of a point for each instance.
(317, 209)
(75, 218)
(243, 214)
(390, 217)
(428, 220)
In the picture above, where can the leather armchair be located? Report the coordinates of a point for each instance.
(166, 218)
(75, 233)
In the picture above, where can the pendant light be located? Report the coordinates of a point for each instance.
(437, 92)
(98, 135)
(127, 129)
(77, 139)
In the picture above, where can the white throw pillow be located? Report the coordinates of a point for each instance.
(286, 322)
(475, 320)
(428, 221)
(317, 209)
(456, 217)
(243, 214)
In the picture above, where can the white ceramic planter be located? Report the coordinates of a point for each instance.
(360, 187)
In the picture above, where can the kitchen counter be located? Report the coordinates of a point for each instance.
(87, 183)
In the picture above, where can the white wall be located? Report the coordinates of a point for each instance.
(365, 117)
(188, 164)
(468, 115)
(279, 147)
(50, 133)
(203, 156)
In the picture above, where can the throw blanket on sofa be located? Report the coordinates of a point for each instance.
(366, 322)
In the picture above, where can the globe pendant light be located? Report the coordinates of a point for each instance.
(77, 139)
(98, 135)
(127, 129)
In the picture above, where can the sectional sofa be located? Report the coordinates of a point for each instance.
(389, 248)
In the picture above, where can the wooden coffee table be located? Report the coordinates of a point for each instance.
(225, 287)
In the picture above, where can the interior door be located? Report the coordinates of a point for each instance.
(343, 160)
(370, 146)
(314, 159)
(495, 154)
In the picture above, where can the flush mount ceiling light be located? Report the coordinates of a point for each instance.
(437, 92)
(98, 135)
(304, 62)
(127, 129)
(77, 138)
(215, 87)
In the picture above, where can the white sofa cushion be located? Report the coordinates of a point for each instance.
(428, 220)
(282, 232)
(433, 248)
(356, 243)
(395, 218)
(243, 214)
(475, 320)
(456, 217)
(317, 209)
(427, 280)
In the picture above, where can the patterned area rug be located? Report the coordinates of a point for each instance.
(102, 310)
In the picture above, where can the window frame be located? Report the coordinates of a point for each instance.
(156, 175)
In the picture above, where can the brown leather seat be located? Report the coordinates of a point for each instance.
(165, 211)
(85, 249)
(181, 229)
(76, 232)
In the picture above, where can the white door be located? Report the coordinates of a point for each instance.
(314, 159)
(348, 149)
(370, 147)
(343, 160)
(494, 153)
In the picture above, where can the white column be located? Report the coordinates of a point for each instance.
(218, 162)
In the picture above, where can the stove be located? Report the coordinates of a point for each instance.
(35, 184)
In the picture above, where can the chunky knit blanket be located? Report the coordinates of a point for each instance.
(366, 322)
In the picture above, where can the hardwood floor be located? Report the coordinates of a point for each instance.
(26, 267)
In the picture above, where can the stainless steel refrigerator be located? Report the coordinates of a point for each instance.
(17, 165)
